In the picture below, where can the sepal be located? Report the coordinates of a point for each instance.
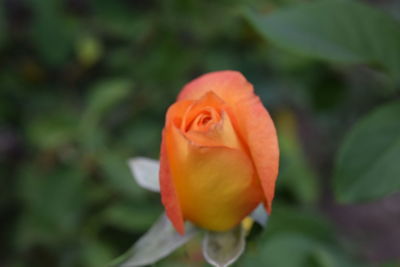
(160, 241)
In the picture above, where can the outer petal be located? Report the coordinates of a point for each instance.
(212, 182)
(229, 85)
(169, 195)
(258, 131)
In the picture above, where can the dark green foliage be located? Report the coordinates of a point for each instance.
(339, 31)
(367, 166)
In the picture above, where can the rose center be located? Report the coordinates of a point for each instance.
(203, 120)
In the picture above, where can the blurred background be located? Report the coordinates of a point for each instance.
(84, 85)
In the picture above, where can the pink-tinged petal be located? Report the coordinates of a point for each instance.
(169, 195)
(229, 85)
(258, 131)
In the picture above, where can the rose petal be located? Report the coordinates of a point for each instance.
(230, 86)
(208, 100)
(249, 116)
(258, 131)
(169, 196)
(222, 133)
(209, 180)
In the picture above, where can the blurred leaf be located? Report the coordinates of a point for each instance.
(338, 31)
(50, 131)
(54, 202)
(122, 19)
(119, 59)
(295, 172)
(117, 174)
(145, 172)
(368, 166)
(303, 252)
(137, 217)
(291, 220)
(102, 97)
(52, 33)
(168, 60)
(95, 253)
(142, 136)
(222, 249)
(391, 264)
(89, 50)
(161, 240)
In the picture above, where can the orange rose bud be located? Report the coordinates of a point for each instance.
(219, 153)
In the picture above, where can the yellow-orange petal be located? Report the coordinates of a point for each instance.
(220, 133)
(217, 186)
(249, 117)
(169, 196)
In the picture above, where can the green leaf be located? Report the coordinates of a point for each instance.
(368, 166)
(338, 31)
(223, 248)
(161, 240)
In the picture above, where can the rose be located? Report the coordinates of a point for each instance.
(219, 161)
(219, 153)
